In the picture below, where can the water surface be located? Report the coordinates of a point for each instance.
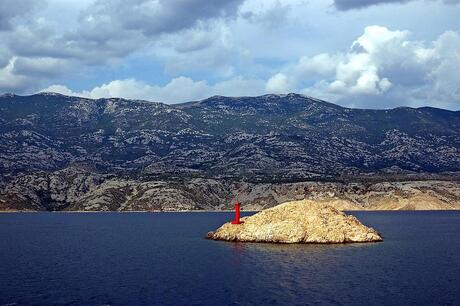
(162, 258)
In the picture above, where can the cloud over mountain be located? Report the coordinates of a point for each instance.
(145, 48)
(381, 64)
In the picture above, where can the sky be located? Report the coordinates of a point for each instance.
(356, 53)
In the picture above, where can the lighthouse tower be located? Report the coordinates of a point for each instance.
(237, 212)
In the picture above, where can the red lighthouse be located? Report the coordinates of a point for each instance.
(237, 212)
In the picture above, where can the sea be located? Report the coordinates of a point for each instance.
(163, 259)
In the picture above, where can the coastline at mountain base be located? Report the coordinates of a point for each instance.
(74, 189)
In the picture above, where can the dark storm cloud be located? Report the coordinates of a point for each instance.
(104, 32)
(116, 28)
(155, 17)
(113, 29)
(344, 5)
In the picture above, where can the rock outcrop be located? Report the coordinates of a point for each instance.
(80, 189)
(302, 221)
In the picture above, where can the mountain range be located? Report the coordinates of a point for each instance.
(270, 139)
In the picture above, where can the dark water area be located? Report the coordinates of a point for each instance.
(162, 259)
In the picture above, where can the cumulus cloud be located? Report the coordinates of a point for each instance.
(344, 5)
(354, 72)
(382, 68)
(180, 89)
(186, 37)
(11, 82)
(105, 33)
(278, 83)
(381, 65)
(187, 50)
(445, 58)
(322, 64)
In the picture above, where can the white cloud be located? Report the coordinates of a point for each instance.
(278, 84)
(445, 61)
(180, 89)
(377, 37)
(359, 71)
(9, 81)
(381, 63)
(319, 65)
(101, 33)
(382, 68)
(238, 47)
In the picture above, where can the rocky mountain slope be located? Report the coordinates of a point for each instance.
(68, 153)
(78, 189)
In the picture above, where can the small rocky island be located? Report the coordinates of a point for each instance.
(302, 221)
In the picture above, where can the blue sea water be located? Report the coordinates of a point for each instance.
(162, 259)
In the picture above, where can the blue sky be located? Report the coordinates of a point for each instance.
(371, 54)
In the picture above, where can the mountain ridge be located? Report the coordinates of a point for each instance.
(51, 93)
(265, 139)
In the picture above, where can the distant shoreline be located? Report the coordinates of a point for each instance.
(120, 211)
(200, 211)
